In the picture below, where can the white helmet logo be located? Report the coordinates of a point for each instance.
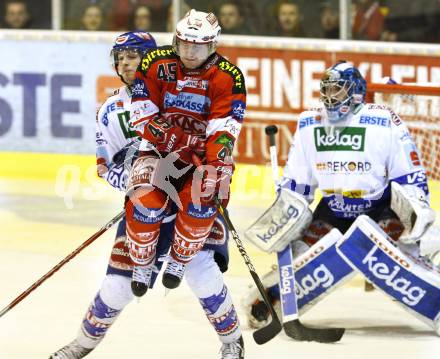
(195, 23)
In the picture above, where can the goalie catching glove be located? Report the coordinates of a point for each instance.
(411, 206)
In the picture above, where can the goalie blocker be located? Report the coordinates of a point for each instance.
(317, 271)
(368, 249)
(284, 222)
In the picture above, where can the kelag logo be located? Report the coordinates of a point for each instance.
(348, 139)
(275, 227)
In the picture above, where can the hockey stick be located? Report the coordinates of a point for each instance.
(262, 335)
(60, 264)
(292, 326)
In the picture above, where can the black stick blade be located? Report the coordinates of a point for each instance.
(296, 330)
(263, 335)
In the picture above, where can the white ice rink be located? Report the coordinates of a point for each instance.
(37, 231)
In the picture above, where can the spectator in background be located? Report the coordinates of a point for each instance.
(289, 19)
(141, 19)
(329, 21)
(412, 21)
(368, 20)
(17, 15)
(122, 10)
(231, 19)
(171, 26)
(433, 20)
(73, 11)
(93, 18)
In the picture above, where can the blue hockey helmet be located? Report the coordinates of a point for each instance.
(342, 88)
(138, 41)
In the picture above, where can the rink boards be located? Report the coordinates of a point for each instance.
(75, 175)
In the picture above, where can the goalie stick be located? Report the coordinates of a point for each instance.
(28, 291)
(264, 334)
(289, 308)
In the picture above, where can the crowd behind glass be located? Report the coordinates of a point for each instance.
(386, 20)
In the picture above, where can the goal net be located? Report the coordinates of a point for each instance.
(419, 108)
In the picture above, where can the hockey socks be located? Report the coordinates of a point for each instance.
(112, 298)
(222, 314)
(97, 321)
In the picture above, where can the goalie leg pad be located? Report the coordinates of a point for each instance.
(319, 271)
(369, 250)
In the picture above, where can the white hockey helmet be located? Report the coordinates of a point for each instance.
(198, 27)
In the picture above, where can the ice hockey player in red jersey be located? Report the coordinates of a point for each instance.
(186, 99)
(203, 275)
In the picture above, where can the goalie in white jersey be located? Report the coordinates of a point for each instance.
(114, 153)
(353, 151)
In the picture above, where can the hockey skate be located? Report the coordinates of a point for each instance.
(234, 350)
(71, 351)
(173, 274)
(140, 280)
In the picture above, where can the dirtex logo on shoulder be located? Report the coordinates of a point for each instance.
(346, 139)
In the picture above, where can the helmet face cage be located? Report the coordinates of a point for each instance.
(336, 93)
(114, 54)
(341, 88)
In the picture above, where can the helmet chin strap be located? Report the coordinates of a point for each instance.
(330, 125)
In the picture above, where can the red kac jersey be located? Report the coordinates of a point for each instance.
(209, 102)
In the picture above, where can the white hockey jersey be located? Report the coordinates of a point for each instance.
(353, 164)
(112, 134)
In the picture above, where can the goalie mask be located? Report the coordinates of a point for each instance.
(342, 88)
(196, 37)
(132, 44)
